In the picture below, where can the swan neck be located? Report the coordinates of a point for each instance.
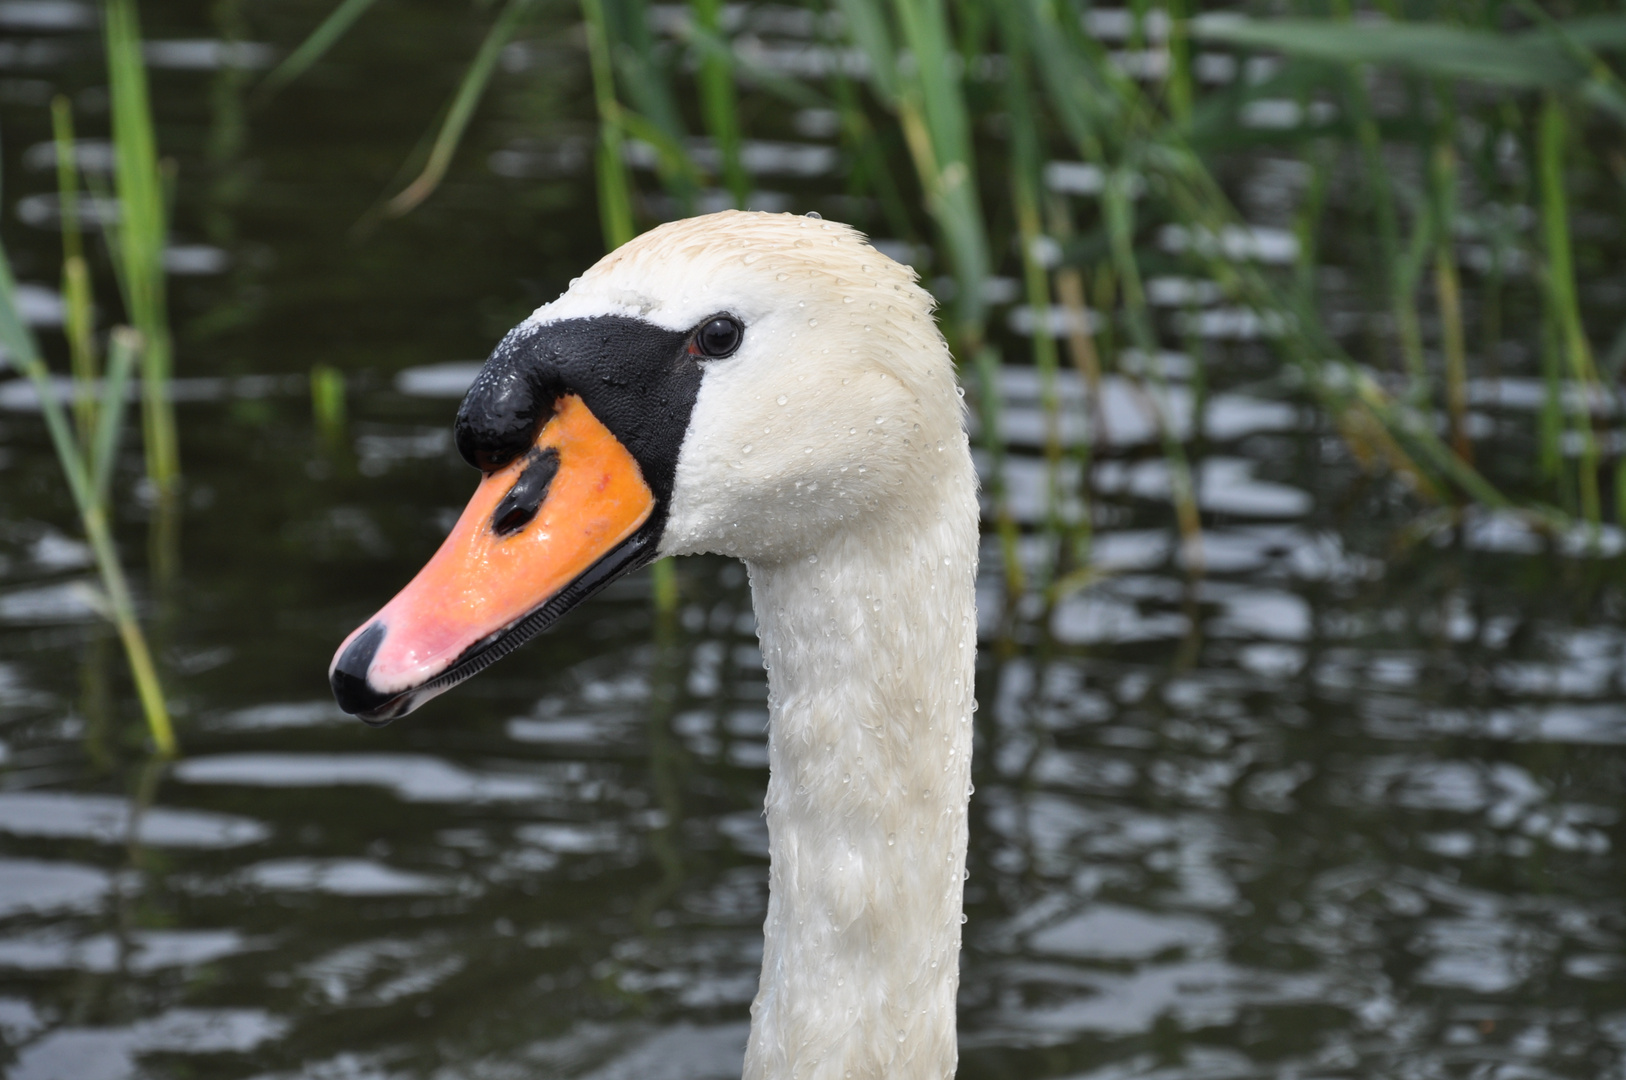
(869, 644)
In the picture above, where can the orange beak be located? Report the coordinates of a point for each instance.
(540, 535)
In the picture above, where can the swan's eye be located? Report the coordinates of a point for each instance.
(719, 337)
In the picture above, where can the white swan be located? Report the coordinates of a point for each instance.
(772, 388)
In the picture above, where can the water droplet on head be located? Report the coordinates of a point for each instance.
(746, 449)
(919, 707)
(783, 399)
(964, 918)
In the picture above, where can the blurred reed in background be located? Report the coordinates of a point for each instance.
(87, 445)
(1082, 150)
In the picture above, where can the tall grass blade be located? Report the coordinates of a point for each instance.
(468, 95)
(1448, 290)
(639, 66)
(24, 354)
(1602, 88)
(614, 184)
(615, 215)
(1561, 293)
(1118, 211)
(1026, 190)
(327, 402)
(719, 103)
(1525, 61)
(937, 127)
(1376, 188)
(123, 356)
(313, 48)
(79, 320)
(141, 234)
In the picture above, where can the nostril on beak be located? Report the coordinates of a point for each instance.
(350, 687)
(525, 498)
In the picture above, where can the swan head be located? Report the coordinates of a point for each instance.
(745, 384)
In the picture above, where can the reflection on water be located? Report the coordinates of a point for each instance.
(1346, 804)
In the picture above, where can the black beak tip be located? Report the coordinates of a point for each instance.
(351, 689)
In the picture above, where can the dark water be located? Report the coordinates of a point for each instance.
(1345, 805)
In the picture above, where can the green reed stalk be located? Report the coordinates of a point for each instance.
(1448, 288)
(1070, 293)
(1561, 294)
(314, 47)
(1550, 422)
(614, 185)
(986, 363)
(79, 322)
(142, 232)
(1097, 104)
(1026, 188)
(327, 402)
(656, 116)
(928, 100)
(936, 125)
(83, 484)
(719, 103)
(461, 111)
(1401, 295)
(1119, 213)
(870, 170)
(1307, 225)
(1620, 490)
(123, 357)
(615, 210)
(1086, 361)
(1036, 282)
(1179, 90)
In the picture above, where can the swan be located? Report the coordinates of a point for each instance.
(768, 387)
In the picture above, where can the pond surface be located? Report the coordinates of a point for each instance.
(1345, 804)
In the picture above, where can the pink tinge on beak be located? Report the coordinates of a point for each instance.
(532, 527)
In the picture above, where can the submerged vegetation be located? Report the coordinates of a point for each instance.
(1085, 152)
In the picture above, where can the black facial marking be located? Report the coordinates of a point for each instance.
(639, 380)
(502, 412)
(524, 499)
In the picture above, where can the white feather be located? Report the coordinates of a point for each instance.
(830, 454)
